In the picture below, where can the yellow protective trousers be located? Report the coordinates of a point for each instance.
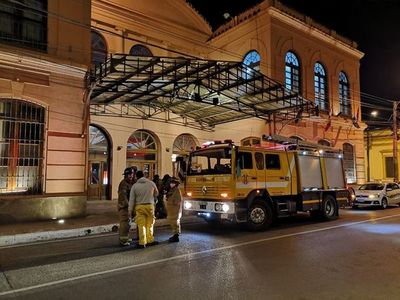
(174, 214)
(123, 225)
(145, 221)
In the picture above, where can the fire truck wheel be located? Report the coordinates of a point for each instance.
(259, 216)
(329, 208)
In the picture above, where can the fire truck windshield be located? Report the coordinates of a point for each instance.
(210, 161)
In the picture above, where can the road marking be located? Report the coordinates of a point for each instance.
(188, 255)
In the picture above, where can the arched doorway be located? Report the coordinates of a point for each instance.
(99, 164)
(183, 144)
(348, 163)
(142, 152)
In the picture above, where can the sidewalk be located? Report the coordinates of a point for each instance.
(102, 217)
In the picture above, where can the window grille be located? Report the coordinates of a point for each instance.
(320, 87)
(21, 147)
(24, 23)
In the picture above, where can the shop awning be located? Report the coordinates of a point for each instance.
(192, 92)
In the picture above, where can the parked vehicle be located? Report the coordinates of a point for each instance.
(254, 185)
(377, 195)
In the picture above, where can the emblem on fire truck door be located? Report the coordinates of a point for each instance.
(204, 190)
(245, 179)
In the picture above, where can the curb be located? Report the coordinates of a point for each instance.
(28, 238)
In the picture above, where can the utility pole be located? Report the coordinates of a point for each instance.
(395, 165)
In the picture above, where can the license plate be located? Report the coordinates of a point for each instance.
(203, 206)
(224, 216)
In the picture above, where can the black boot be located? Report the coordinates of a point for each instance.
(174, 238)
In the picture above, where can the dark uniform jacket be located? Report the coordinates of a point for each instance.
(124, 189)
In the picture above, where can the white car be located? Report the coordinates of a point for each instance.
(377, 195)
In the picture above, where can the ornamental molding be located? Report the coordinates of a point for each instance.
(39, 66)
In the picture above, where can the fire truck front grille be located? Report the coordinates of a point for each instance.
(205, 192)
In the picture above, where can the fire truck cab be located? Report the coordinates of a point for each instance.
(254, 185)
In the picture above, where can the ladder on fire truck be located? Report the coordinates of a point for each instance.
(294, 144)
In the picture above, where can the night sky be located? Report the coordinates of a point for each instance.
(373, 24)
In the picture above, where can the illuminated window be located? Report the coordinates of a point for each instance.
(21, 146)
(140, 50)
(344, 95)
(99, 48)
(24, 22)
(292, 72)
(142, 152)
(251, 63)
(321, 87)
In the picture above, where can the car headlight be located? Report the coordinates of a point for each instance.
(373, 196)
(187, 205)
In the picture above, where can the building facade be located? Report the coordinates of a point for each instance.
(44, 61)
(286, 46)
(379, 155)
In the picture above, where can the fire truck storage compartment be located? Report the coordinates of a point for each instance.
(310, 172)
(334, 173)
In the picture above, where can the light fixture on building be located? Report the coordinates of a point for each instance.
(226, 15)
(374, 113)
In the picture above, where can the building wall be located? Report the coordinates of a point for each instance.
(379, 144)
(265, 28)
(55, 79)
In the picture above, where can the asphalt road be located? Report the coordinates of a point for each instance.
(354, 257)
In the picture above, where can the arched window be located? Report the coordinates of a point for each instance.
(251, 141)
(99, 48)
(21, 146)
(142, 152)
(348, 163)
(321, 87)
(344, 94)
(251, 62)
(297, 138)
(292, 73)
(324, 142)
(183, 144)
(140, 50)
(181, 148)
(99, 164)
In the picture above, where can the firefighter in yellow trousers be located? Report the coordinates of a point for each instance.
(174, 209)
(141, 200)
(124, 189)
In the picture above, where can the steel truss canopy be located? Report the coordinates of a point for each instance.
(193, 92)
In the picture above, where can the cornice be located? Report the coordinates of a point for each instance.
(39, 66)
(314, 32)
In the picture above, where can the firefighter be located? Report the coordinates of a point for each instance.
(124, 189)
(174, 209)
(141, 201)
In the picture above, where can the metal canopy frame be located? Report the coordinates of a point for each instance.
(191, 92)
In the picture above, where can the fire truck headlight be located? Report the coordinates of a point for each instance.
(189, 194)
(187, 205)
(225, 207)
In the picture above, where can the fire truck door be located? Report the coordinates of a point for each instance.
(260, 170)
(246, 175)
(278, 174)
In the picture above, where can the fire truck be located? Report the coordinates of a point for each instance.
(255, 185)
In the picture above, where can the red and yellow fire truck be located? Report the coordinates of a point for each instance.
(254, 185)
